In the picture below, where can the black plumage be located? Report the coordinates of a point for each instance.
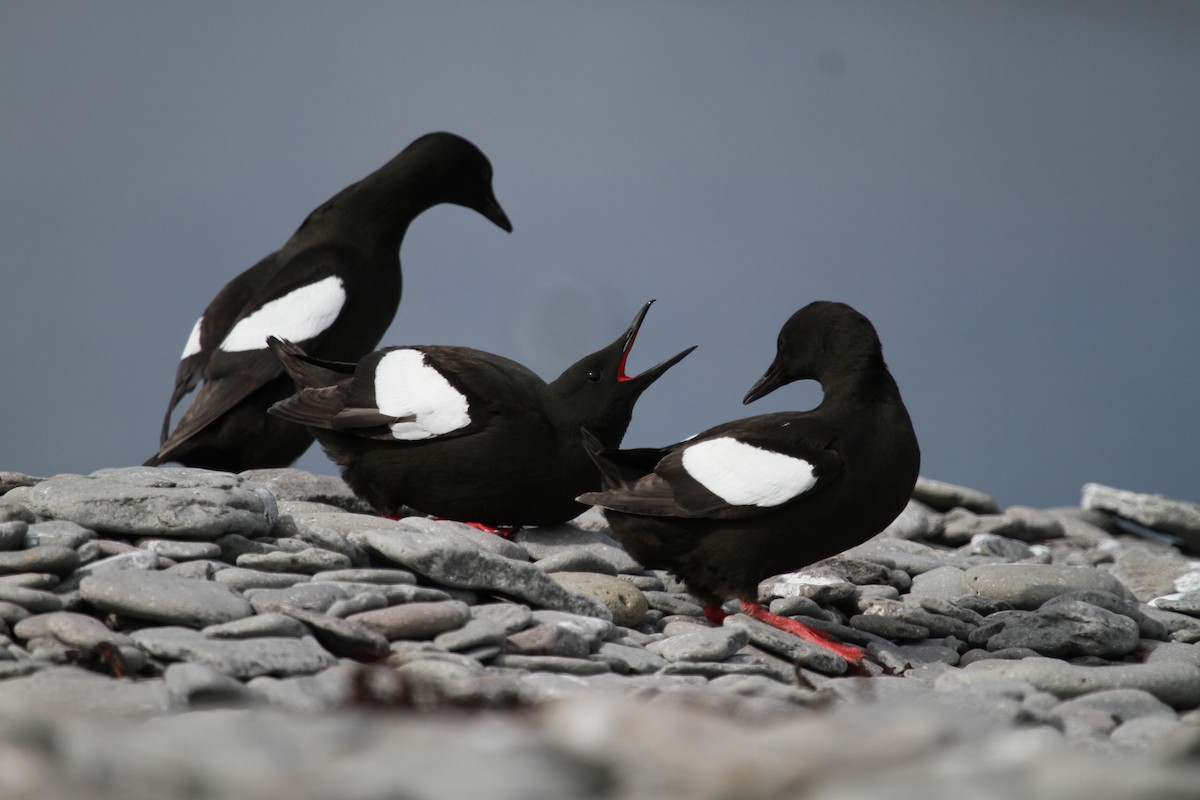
(463, 434)
(769, 494)
(334, 286)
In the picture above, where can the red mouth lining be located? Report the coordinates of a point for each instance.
(621, 376)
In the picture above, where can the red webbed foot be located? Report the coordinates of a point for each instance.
(852, 654)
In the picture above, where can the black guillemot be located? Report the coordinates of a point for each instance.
(769, 494)
(333, 287)
(466, 435)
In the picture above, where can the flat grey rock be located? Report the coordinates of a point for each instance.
(944, 496)
(1062, 630)
(51, 558)
(61, 532)
(164, 598)
(708, 644)
(297, 484)
(1152, 510)
(199, 686)
(791, 647)
(180, 549)
(257, 626)
(548, 640)
(73, 692)
(453, 562)
(1027, 586)
(1174, 683)
(238, 658)
(153, 502)
(414, 620)
(305, 562)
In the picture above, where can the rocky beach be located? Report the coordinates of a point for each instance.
(179, 633)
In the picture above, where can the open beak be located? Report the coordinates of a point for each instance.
(627, 340)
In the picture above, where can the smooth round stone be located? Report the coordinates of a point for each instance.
(670, 603)
(938, 582)
(548, 640)
(476, 633)
(11, 613)
(43, 558)
(315, 596)
(709, 644)
(201, 686)
(80, 630)
(1121, 704)
(569, 666)
(916, 521)
(164, 598)
(626, 602)
(593, 629)
(627, 659)
(33, 600)
(31, 580)
(1028, 586)
(415, 620)
(511, 617)
(61, 532)
(239, 658)
(181, 549)
(340, 636)
(12, 534)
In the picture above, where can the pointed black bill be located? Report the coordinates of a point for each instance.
(769, 382)
(492, 210)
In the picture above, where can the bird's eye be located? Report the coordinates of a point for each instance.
(594, 375)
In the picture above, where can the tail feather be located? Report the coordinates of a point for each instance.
(305, 370)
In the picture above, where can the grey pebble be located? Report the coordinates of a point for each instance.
(624, 601)
(511, 617)
(61, 532)
(308, 561)
(366, 575)
(12, 534)
(944, 496)
(180, 549)
(35, 601)
(297, 484)
(549, 640)
(259, 625)
(164, 598)
(888, 627)
(1121, 704)
(365, 600)
(340, 636)
(316, 596)
(625, 659)
(1063, 630)
(943, 582)
(419, 620)
(475, 633)
(1176, 684)
(50, 558)
(1027, 586)
(568, 666)
(81, 630)
(242, 579)
(238, 658)
(1152, 510)
(593, 629)
(670, 603)
(708, 644)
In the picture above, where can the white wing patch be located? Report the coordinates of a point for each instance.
(745, 475)
(405, 385)
(193, 343)
(299, 315)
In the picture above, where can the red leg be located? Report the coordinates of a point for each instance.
(715, 614)
(503, 531)
(849, 652)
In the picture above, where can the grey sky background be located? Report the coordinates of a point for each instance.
(1010, 191)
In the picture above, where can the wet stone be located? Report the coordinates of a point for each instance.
(164, 598)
